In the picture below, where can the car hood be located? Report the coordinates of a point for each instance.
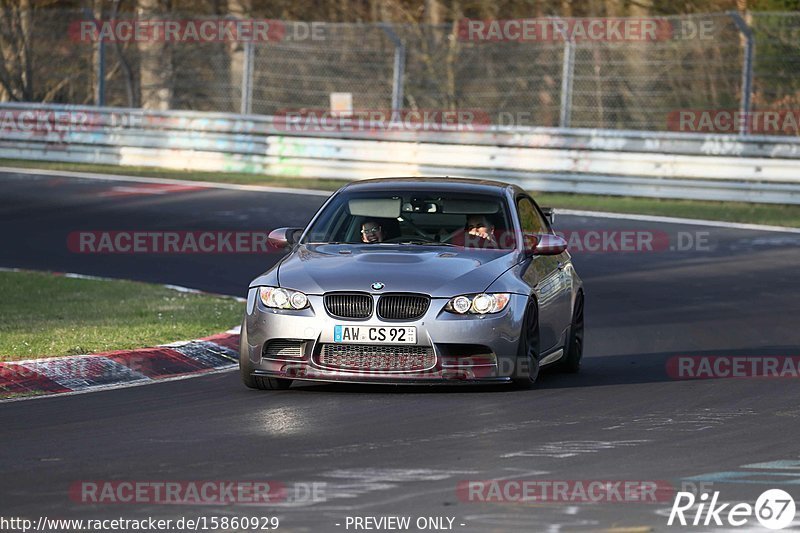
(434, 270)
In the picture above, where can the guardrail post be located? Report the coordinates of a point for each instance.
(398, 77)
(567, 74)
(747, 70)
(246, 107)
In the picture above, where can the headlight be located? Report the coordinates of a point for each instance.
(461, 304)
(479, 304)
(278, 298)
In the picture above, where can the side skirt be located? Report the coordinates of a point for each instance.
(552, 357)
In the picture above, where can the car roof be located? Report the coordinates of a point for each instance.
(432, 183)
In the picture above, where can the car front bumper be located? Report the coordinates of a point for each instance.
(466, 349)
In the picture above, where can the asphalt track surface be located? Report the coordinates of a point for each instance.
(399, 451)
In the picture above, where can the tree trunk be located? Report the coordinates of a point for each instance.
(238, 9)
(434, 12)
(632, 110)
(130, 88)
(155, 60)
(16, 70)
(26, 68)
(97, 13)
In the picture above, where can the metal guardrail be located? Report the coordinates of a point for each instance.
(631, 163)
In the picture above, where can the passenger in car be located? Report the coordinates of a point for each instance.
(479, 226)
(371, 232)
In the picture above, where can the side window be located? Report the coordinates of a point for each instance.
(529, 217)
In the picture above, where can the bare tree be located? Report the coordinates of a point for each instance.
(155, 59)
(433, 12)
(16, 67)
(129, 79)
(236, 50)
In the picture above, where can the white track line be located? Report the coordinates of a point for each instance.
(74, 275)
(314, 192)
(123, 385)
(165, 181)
(676, 220)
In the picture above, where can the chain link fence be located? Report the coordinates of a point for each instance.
(700, 63)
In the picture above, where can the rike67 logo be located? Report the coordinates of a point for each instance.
(774, 509)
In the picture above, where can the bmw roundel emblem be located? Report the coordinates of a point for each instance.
(377, 286)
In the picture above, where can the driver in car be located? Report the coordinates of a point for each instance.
(371, 232)
(479, 232)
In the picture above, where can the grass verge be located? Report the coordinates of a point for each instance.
(771, 214)
(45, 315)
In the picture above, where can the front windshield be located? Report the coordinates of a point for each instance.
(432, 218)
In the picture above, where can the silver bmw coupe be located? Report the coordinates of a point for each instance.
(416, 281)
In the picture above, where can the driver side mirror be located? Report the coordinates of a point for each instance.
(544, 244)
(283, 237)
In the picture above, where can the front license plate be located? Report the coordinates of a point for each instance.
(375, 334)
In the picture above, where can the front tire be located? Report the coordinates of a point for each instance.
(261, 382)
(526, 369)
(571, 363)
(247, 378)
(265, 383)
